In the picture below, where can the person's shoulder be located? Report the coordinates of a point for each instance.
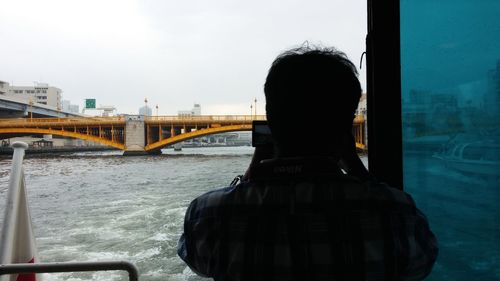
(386, 193)
(210, 201)
(377, 192)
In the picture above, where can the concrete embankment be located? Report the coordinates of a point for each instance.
(63, 149)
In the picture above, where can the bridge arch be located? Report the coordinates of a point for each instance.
(195, 134)
(63, 134)
(209, 131)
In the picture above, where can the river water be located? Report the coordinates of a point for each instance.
(102, 206)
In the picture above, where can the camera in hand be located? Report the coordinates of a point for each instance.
(261, 134)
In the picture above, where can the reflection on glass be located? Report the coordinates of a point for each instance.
(450, 56)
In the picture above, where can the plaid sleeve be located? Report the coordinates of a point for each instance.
(423, 254)
(198, 244)
(186, 248)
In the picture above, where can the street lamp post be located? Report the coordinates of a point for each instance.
(31, 109)
(145, 106)
(156, 111)
(255, 107)
(251, 111)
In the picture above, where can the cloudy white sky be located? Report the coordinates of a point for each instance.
(174, 53)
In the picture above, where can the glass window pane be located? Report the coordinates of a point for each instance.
(450, 56)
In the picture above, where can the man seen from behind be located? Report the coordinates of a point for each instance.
(312, 211)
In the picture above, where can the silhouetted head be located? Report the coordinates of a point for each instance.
(311, 98)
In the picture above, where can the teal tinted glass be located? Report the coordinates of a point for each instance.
(450, 56)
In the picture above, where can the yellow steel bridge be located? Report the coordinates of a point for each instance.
(152, 132)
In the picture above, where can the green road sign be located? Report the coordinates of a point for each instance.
(89, 103)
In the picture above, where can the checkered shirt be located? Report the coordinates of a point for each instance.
(299, 223)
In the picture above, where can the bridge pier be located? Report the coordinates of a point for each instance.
(134, 136)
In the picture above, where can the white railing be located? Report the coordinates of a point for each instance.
(133, 274)
(15, 195)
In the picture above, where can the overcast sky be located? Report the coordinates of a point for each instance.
(174, 53)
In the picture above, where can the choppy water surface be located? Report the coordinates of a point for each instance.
(102, 206)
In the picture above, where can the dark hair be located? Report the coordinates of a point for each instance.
(310, 90)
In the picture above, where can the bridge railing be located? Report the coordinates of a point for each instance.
(357, 119)
(202, 118)
(21, 121)
(123, 118)
(207, 118)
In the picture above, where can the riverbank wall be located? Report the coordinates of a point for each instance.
(58, 149)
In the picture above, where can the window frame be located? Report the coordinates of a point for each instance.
(383, 60)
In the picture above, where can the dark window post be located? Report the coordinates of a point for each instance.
(384, 92)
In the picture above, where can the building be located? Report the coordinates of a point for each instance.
(145, 111)
(74, 108)
(40, 93)
(4, 88)
(68, 107)
(108, 110)
(196, 111)
(361, 110)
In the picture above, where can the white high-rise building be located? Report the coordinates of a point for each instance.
(40, 93)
